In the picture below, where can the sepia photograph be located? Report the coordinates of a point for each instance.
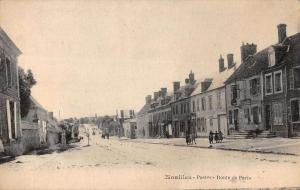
(149, 94)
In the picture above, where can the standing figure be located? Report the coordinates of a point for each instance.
(216, 137)
(211, 137)
(220, 136)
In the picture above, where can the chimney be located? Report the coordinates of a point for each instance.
(176, 86)
(159, 93)
(163, 92)
(247, 50)
(281, 32)
(155, 96)
(148, 99)
(192, 77)
(230, 62)
(221, 64)
(186, 81)
(205, 84)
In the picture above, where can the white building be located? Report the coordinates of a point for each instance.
(208, 102)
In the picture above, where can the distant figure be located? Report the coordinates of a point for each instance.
(193, 138)
(167, 134)
(216, 137)
(211, 137)
(220, 136)
(187, 137)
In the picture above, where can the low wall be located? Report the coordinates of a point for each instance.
(52, 138)
(30, 136)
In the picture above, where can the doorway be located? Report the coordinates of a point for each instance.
(236, 119)
(268, 116)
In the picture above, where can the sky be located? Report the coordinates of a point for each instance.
(96, 57)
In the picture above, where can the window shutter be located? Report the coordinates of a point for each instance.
(291, 73)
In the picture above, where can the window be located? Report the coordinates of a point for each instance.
(8, 73)
(194, 106)
(235, 92)
(176, 108)
(184, 108)
(254, 86)
(247, 117)
(188, 108)
(295, 110)
(296, 76)
(198, 104)
(198, 125)
(256, 115)
(219, 100)
(277, 107)
(271, 57)
(268, 84)
(181, 108)
(230, 117)
(211, 121)
(203, 104)
(173, 110)
(210, 102)
(278, 81)
(203, 124)
(182, 125)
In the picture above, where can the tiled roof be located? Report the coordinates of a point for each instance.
(217, 80)
(253, 65)
(144, 109)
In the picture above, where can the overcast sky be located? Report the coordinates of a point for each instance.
(98, 56)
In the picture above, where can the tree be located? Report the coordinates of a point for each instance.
(26, 82)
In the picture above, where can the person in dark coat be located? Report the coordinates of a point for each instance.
(220, 136)
(187, 138)
(211, 137)
(216, 137)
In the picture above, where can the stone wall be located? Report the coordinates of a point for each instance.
(30, 136)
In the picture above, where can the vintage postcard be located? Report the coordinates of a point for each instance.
(149, 94)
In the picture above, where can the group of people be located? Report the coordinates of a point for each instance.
(217, 136)
(190, 137)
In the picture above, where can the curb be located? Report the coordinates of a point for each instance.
(220, 148)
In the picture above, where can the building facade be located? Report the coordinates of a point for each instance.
(182, 119)
(10, 131)
(244, 91)
(281, 80)
(160, 114)
(143, 119)
(208, 102)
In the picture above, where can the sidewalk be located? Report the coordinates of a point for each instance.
(276, 145)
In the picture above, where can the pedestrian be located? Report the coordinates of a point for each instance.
(167, 134)
(193, 138)
(216, 137)
(211, 137)
(187, 140)
(220, 136)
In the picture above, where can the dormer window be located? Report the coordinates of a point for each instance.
(271, 57)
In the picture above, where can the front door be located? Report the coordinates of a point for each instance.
(236, 119)
(268, 116)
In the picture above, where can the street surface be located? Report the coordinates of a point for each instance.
(132, 165)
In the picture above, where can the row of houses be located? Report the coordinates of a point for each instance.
(262, 93)
(18, 135)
